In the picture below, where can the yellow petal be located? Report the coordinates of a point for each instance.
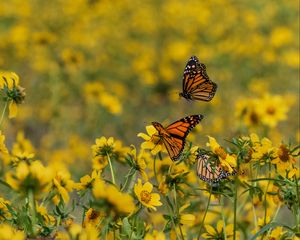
(148, 187)
(151, 130)
(220, 225)
(147, 145)
(144, 136)
(13, 109)
(210, 230)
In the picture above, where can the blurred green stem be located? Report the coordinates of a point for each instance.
(111, 170)
(3, 112)
(235, 207)
(207, 206)
(253, 207)
(176, 209)
(171, 212)
(128, 180)
(223, 217)
(32, 211)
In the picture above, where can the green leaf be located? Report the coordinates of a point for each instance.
(126, 227)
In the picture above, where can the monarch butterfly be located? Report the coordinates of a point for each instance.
(196, 84)
(209, 173)
(173, 136)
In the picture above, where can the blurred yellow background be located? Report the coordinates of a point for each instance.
(109, 68)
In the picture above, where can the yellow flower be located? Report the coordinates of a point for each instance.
(105, 148)
(48, 219)
(186, 219)
(7, 232)
(283, 160)
(218, 232)
(263, 150)
(152, 140)
(227, 161)
(272, 109)
(4, 213)
(63, 184)
(87, 181)
(276, 233)
(3, 148)
(13, 93)
(117, 202)
(112, 103)
(34, 177)
(92, 91)
(75, 231)
(140, 162)
(155, 235)
(93, 217)
(145, 195)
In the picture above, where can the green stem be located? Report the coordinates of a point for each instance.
(154, 169)
(177, 210)
(33, 211)
(273, 220)
(170, 209)
(265, 202)
(3, 112)
(235, 207)
(128, 178)
(297, 214)
(253, 184)
(111, 170)
(223, 218)
(207, 206)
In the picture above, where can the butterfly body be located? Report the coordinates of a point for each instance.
(209, 172)
(196, 84)
(174, 135)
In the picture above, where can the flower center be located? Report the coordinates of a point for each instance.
(254, 118)
(145, 196)
(220, 152)
(94, 214)
(283, 153)
(271, 110)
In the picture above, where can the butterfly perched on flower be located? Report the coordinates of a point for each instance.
(174, 135)
(210, 172)
(196, 84)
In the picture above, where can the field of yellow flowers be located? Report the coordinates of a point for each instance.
(82, 80)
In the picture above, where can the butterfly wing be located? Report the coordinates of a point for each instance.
(209, 173)
(177, 133)
(196, 84)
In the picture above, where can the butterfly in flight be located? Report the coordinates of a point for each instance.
(173, 136)
(196, 84)
(208, 172)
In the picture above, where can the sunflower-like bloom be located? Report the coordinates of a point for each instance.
(30, 177)
(145, 195)
(13, 93)
(105, 148)
(111, 199)
(152, 140)
(219, 231)
(227, 161)
(8, 232)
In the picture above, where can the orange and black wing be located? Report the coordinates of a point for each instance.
(208, 172)
(196, 84)
(177, 133)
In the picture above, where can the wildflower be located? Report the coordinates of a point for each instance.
(75, 231)
(34, 177)
(262, 149)
(14, 94)
(93, 217)
(145, 195)
(227, 161)
(283, 160)
(155, 235)
(107, 148)
(219, 232)
(48, 219)
(72, 59)
(272, 109)
(152, 140)
(7, 232)
(22, 150)
(3, 149)
(115, 201)
(186, 219)
(92, 91)
(63, 184)
(112, 103)
(276, 233)
(140, 162)
(4, 213)
(246, 111)
(87, 181)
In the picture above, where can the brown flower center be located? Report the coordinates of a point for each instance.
(94, 215)
(271, 110)
(145, 196)
(283, 153)
(254, 118)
